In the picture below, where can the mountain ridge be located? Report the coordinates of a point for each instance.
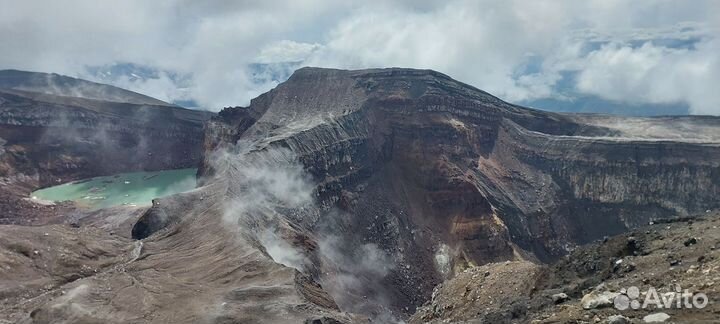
(49, 139)
(56, 84)
(489, 179)
(342, 195)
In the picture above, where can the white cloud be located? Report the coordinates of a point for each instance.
(656, 75)
(286, 51)
(162, 87)
(477, 42)
(619, 72)
(489, 44)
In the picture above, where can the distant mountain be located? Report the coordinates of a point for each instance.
(60, 85)
(179, 85)
(596, 105)
(173, 87)
(56, 129)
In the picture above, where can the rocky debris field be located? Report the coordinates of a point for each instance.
(583, 286)
(38, 264)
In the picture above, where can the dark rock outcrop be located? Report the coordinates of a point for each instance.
(589, 279)
(419, 162)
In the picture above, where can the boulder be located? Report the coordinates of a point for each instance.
(618, 319)
(656, 318)
(598, 299)
(559, 298)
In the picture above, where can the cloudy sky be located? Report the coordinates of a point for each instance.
(634, 53)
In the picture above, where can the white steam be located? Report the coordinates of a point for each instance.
(281, 251)
(268, 190)
(443, 261)
(264, 186)
(355, 277)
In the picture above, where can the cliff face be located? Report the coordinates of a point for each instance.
(342, 195)
(546, 174)
(420, 165)
(48, 139)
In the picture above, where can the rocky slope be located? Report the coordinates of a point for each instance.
(198, 272)
(46, 139)
(428, 168)
(65, 86)
(346, 195)
(582, 287)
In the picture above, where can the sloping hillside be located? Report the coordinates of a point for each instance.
(46, 139)
(60, 85)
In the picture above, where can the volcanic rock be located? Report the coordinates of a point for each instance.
(347, 195)
(56, 129)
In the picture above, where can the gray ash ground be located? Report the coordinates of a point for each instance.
(680, 253)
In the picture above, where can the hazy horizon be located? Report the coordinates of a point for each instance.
(639, 57)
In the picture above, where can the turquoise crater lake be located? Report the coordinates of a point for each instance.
(132, 189)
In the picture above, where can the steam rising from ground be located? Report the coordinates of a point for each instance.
(357, 283)
(281, 251)
(262, 185)
(104, 135)
(70, 303)
(271, 194)
(443, 260)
